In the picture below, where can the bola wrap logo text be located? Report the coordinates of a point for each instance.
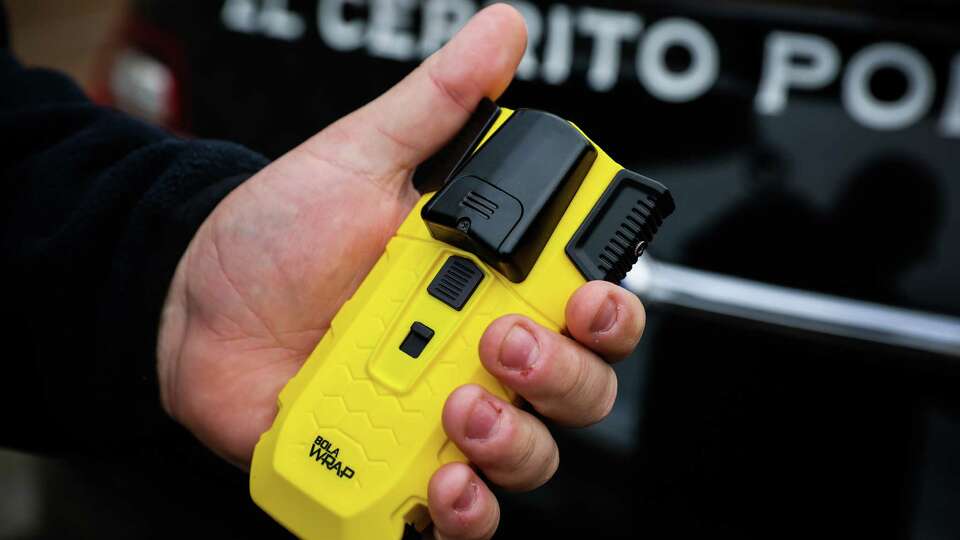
(325, 453)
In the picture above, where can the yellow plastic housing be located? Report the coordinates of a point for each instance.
(358, 434)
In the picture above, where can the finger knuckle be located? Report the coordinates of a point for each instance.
(606, 404)
(523, 456)
(575, 378)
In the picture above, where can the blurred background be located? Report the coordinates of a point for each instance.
(798, 376)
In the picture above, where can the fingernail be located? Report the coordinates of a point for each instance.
(483, 420)
(467, 497)
(605, 318)
(519, 349)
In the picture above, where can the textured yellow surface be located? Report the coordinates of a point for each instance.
(359, 430)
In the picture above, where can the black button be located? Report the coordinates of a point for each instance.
(420, 334)
(455, 282)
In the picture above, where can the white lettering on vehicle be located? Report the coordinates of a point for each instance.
(698, 78)
(609, 29)
(950, 124)
(338, 32)
(390, 29)
(270, 18)
(408, 30)
(801, 61)
(904, 112)
(558, 48)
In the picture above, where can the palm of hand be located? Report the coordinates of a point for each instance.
(260, 284)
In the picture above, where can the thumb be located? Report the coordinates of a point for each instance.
(391, 135)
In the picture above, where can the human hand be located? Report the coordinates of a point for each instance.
(268, 270)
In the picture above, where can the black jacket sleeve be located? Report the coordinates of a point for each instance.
(96, 210)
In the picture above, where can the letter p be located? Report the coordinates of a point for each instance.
(802, 61)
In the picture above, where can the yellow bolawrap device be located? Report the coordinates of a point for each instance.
(528, 209)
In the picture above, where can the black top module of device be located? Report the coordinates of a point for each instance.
(505, 202)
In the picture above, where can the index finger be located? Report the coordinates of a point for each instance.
(605, 318)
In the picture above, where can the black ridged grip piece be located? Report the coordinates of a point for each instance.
(455, 282)
(620, 227)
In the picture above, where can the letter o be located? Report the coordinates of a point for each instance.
(870, 111)
(704, 68)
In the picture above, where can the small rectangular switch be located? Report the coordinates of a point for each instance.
(420, 334)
